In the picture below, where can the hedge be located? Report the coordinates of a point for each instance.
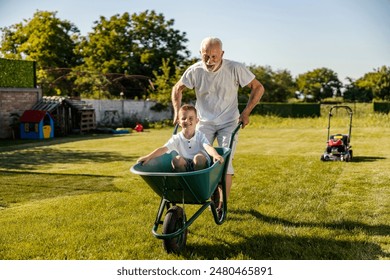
(17, 73)
(382, 107)
(295, 110)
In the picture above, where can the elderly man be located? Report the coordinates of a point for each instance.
(216, 81)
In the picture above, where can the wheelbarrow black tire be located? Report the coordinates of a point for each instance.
(173, 221)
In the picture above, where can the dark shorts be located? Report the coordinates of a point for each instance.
(190, 166)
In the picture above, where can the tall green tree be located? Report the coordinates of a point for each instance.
(320, 83)
(164, 82)
(156, 39)
(355, 93)
(279, 85)
(49, 41)
(373, 85)
(133, 46)
(284, 86)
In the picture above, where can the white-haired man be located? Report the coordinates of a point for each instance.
(216, 81)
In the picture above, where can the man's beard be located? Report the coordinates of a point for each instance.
(213, 67)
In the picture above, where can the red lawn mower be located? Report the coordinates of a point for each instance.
(338, 145)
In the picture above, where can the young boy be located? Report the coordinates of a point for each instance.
(192, 146)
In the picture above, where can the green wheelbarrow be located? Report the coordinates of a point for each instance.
(180, 188)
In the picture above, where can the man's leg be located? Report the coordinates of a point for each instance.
(210, 133)
(229, 182)
(223, 135)
(223, 138)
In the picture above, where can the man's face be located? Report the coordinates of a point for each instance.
(212, 57)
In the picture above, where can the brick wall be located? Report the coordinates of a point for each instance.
(15, 100)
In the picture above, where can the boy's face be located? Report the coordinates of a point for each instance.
(188, 119)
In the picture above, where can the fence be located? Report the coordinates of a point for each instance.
(114, 113)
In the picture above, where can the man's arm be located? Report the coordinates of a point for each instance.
(257, 91)
(177, 93)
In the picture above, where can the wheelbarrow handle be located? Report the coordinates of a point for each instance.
(234, 134)
(176, 129)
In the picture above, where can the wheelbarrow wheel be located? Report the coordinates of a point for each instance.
(173, 221)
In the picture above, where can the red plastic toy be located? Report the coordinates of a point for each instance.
(139, 127)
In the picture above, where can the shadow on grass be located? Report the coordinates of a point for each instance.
(344, 225)
(366, 159)
(23, 178)
(21, 186)
(33, 159)
(17, 144)
(279, 247)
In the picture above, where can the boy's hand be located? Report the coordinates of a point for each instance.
(219, 158)
(143, 160)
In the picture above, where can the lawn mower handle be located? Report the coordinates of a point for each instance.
(350, 112)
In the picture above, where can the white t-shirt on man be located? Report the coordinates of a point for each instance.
(217, 92)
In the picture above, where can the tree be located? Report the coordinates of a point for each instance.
(129, 45)
(354, 93)
(320, 83)
(157, 40)
(382, 89)
(50, 42)
(375, 84)
(284, 86)
(279, 85)
(164, 82)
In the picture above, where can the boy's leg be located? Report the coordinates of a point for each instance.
(200, 162)
(179, 164)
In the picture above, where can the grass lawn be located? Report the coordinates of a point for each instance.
(74, 197)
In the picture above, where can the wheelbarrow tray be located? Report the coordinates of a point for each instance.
(194, 187)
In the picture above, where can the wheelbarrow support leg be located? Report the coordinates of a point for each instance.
(160, 213)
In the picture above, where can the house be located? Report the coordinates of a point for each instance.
(36, 124)
(70, 115)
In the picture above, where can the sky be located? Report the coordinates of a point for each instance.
(350, 37)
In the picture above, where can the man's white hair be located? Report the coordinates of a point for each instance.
(210, 41)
